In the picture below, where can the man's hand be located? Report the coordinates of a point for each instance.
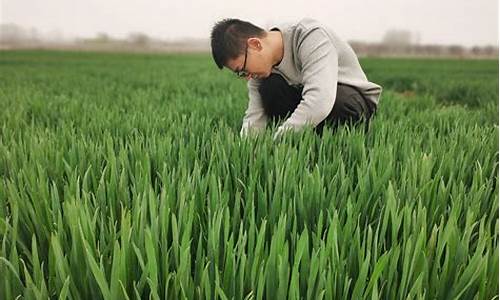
(279, 133)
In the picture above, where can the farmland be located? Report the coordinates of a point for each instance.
(123, 176)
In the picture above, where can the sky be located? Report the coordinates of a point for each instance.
(459, 22)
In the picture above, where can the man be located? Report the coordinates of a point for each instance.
(301, 71)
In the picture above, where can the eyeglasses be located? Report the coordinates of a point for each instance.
(243, 73)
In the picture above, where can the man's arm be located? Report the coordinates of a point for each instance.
(255, 119)
(319, 61)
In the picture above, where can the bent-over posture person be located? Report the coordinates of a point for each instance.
(300, 72)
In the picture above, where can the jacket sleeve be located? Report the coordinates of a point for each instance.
(319, 60)
(255, 119)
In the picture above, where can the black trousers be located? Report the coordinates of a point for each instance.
(350, 107)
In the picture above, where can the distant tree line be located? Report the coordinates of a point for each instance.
(404, 43)
(394, 43)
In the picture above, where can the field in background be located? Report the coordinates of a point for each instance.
(123, 176)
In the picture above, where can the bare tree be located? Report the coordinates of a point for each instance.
(397, 38)
(138, 38)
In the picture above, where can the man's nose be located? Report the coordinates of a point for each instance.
(248, 77)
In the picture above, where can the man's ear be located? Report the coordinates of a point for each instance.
(255, 43)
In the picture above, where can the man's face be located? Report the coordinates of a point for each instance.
(257, 64)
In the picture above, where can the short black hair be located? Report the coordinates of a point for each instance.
(228, 39)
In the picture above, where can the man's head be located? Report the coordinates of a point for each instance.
(242, 47)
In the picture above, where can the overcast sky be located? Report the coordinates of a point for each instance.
(464, 22)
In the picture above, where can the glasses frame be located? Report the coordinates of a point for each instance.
(243, 73)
